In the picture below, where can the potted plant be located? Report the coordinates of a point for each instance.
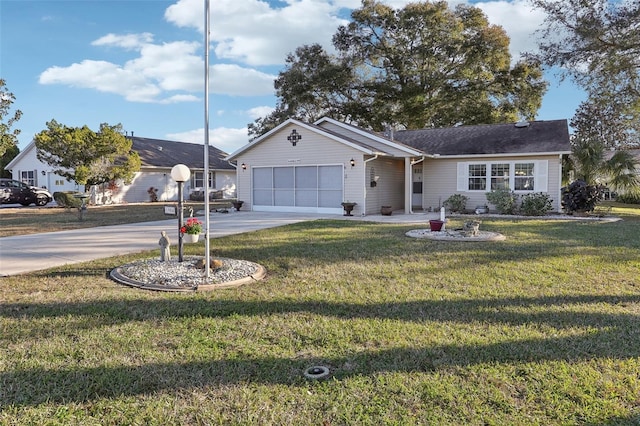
(191, 230)
(435, 225)
(348, 207)
(237, 204)
(386, 210)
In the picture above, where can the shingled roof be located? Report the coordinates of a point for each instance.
(491, 139)
(162, 153)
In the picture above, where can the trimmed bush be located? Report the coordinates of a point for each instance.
(505, 201)
(581, 197)
(536, 204)
(456, 203)
(67, 199)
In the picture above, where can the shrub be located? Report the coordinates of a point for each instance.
(537, 204)
(505, 201)
(456, 203)
(67, 199)
(153, 194)
(581, 197)
(628, 198)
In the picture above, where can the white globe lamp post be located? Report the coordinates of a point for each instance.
(180, 173)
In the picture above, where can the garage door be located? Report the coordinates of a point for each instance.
(311, 189)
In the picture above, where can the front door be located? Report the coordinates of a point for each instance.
(416, 193)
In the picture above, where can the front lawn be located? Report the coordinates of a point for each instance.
(540, 329)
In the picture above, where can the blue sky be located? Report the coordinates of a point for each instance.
(141, 62)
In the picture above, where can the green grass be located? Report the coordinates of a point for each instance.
(24, 221)
(541, 329)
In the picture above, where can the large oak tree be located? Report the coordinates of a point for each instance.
(597, 44)
(87, 157)
(424, 65)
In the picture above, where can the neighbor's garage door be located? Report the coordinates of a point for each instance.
(314, 189)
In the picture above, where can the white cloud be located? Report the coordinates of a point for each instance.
(259, 112)
(158, 72)
(519, 20)
(128, 41)
(223, 138)
(234, 80)
(254, 33)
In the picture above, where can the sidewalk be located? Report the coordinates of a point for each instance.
(21, 254)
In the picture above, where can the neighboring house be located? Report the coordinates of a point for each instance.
(306, 167)
(157, 156)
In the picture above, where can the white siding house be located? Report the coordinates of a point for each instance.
(157, 156)
(315, 167)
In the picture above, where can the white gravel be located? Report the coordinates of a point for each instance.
(186, 274)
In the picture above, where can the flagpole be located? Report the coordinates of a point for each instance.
(207, 255)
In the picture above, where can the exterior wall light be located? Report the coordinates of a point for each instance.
(244, 166)
(352, 162)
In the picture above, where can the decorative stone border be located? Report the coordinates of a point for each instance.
(454, 235)
(119, 275)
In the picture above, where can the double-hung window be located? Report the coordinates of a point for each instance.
(500, 176)
(525, 176)
(477, 177)
(524, 179)
(28, 177)
(198, 179)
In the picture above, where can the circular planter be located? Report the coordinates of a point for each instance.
(386, 210)
(348, 208)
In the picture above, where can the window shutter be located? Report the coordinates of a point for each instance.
(541, 175)
(463, 176)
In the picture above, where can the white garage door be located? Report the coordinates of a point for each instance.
(311, 189)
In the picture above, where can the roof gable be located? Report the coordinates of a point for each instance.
(534, 137)
(363, 147)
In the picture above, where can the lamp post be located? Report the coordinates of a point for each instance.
(180, 173)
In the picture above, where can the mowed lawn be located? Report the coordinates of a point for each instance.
(540, 329)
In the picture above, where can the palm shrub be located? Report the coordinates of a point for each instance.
(456, 203)
(536, 204)
(505, 201)
(579, 196)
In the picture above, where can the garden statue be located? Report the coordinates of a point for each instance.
(165, 252)
(471, 228)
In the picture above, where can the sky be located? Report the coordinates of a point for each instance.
(140, 63)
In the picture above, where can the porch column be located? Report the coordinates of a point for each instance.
(408, 185)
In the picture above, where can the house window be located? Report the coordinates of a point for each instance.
(477, 177)
(499, 176)
(198, 179)
(514, 175)
(524, 177)
(28, 177)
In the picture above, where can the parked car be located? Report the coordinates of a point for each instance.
(14, 191)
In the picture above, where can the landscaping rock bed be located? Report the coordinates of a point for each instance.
(455, 235)
(153, 274)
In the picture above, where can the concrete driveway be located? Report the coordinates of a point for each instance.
(21, 254)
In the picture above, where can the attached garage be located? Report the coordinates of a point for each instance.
(304, 188)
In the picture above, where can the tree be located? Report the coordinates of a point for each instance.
(606, 121)
(86, 157)
(592, 163)
(597, 43)
(421, 66)
(11, 153)
(8, 137)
